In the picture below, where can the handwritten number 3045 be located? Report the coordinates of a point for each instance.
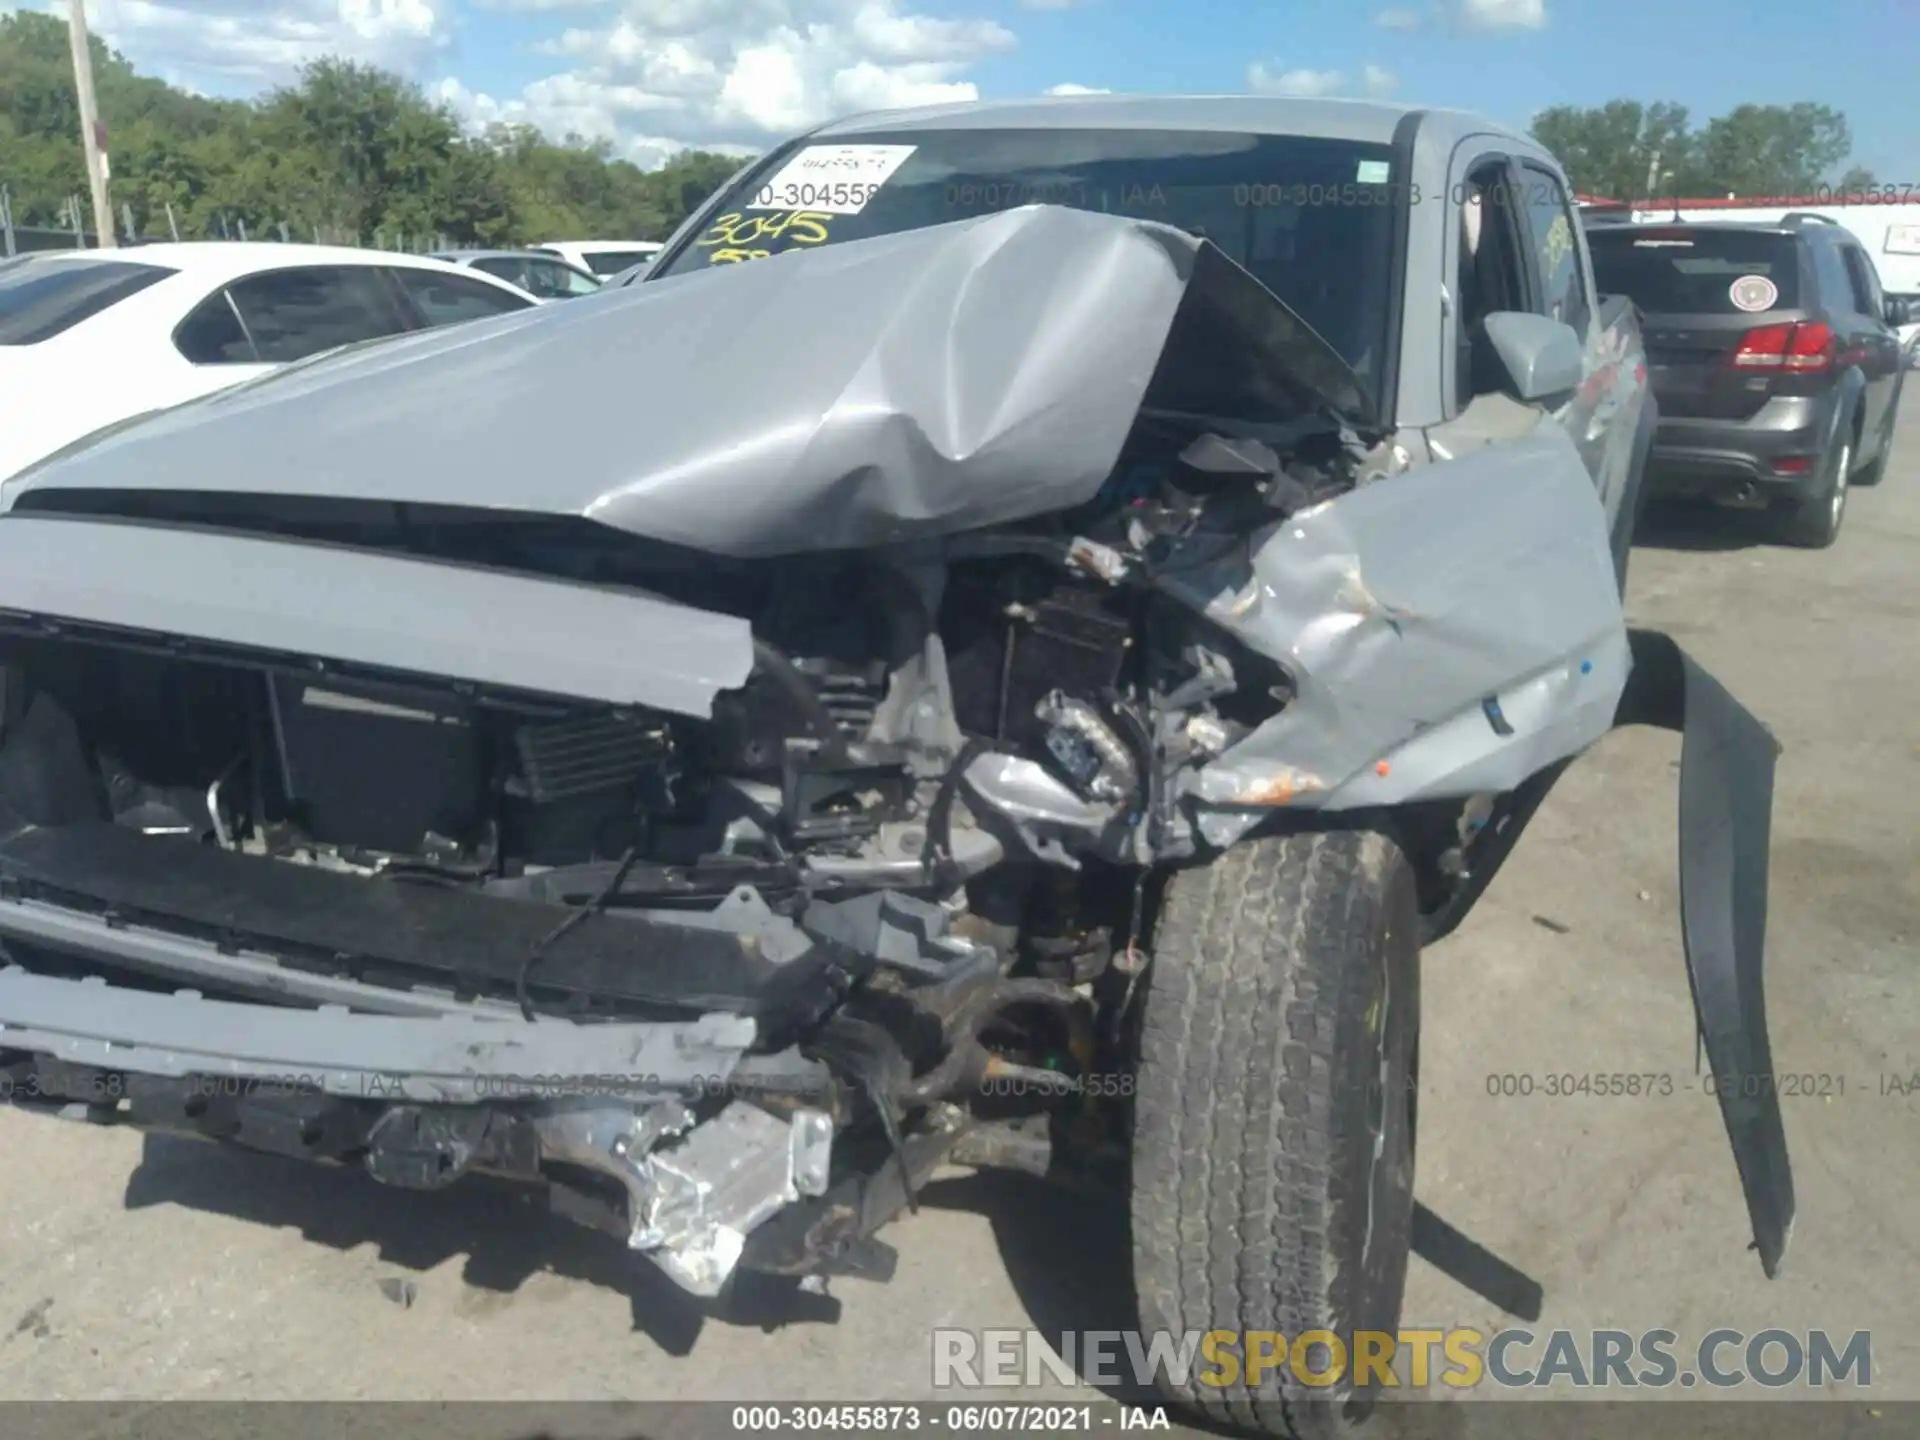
(735, 231)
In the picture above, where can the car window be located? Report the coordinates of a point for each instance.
(1677, 271)
(555, 279)
(449, 299)
(1491, 276)
(510, 268)
(213, 335)
(1556, 249)
(612, 262)
(298, 312)
(42, 296)
(1836, 285)
(1865, 283)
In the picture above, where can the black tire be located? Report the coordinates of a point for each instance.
(1269, 1067)
(1814, 523)
(1874, 473)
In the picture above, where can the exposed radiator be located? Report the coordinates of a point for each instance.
(850, 696)
(563, 759)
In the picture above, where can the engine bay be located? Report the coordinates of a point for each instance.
(1021, 661)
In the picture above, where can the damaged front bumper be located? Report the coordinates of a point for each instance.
(446, 1087)
(426, 1100)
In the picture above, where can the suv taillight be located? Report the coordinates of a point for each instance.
(1799, 348)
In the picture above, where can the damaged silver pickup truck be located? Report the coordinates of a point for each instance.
(1032, 617)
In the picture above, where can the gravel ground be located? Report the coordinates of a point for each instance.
(153, 1269)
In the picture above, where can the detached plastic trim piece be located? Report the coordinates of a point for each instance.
(1726, 813)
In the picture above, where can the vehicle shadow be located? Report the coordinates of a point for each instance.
(504, 1230)
(1068, 1257)
(1675, 525)
(1067, 1254)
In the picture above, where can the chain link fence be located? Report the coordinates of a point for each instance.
(75, 233)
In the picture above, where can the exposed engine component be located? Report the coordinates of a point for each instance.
(585, 755)
(1018, 632)
(377, 768)
(1095, 759)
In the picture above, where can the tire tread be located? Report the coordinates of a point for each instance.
(1236, 1125)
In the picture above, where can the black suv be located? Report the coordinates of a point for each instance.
(1773, 357)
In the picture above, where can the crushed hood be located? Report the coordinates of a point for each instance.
(943, 379)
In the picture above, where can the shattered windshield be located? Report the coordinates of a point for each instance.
(1311, 218)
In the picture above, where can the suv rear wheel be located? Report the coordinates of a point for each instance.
(1274, 1121)
(1814, 523)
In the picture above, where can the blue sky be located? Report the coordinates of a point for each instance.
(653, 74)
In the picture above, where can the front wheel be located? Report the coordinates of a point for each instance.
(1274, 1125)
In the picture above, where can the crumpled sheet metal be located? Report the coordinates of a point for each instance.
(939, 380)
(1449, 631)
(735, 1171)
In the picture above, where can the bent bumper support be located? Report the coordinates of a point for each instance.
(423, 1099)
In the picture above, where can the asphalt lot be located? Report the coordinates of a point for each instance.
(139, 1269)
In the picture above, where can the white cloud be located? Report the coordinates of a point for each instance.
(1504, 14)
(1070, 88)
(1373, 80)
(242, 45)
(656, 75)
(1265, 81)
(631, 141)
(539, 5)
(1402, 20)
(650, 76)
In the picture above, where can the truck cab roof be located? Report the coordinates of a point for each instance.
(1369, 121)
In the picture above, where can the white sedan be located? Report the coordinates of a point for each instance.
(89, 337)
(603, 257)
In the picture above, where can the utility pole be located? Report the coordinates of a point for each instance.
(92, 134)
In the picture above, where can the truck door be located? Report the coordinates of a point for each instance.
(1598, 418)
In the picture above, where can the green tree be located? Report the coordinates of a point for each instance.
(346, 152)
(1608, 150)
(1751, 150)
(1773, 149)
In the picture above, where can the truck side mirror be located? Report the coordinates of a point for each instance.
(1541, 357)
(1899, 311)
